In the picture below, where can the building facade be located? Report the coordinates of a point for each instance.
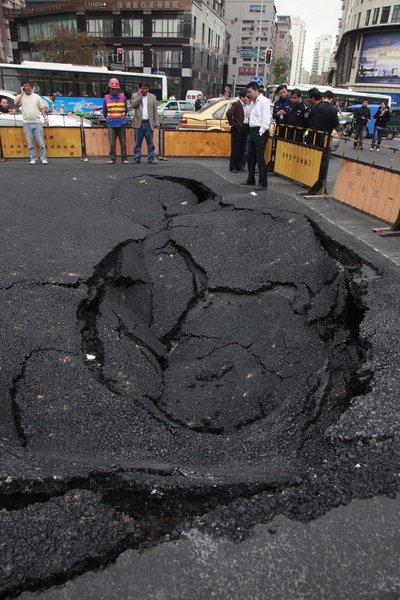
(284, 44)
(184, 39)
(298, 33)
(322, 55)
(368, 47)
(6, 54)
(252, 29)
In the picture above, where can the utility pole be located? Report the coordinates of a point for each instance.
(259, 38)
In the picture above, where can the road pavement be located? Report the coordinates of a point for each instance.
(199, 389)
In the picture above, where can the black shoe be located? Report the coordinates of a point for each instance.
(251, 182)
(152, 162)
(234, 171)
(260, 187)
(137, 162)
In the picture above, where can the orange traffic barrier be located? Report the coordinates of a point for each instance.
(370, 189)
(60, 142)
(96, 141)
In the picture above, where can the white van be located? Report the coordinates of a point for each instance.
(192, 94)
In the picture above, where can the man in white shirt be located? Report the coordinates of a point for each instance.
(260, 119)
(32, 108)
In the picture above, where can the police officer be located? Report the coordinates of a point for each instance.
(297, 117)
(281, 108)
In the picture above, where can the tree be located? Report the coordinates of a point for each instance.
(280, 71)
(66, 46)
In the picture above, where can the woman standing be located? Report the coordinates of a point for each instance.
(382, 116)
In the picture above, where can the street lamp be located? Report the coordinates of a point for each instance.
(154, 53)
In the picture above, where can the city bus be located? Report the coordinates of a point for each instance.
(77, 84)
(345, 97)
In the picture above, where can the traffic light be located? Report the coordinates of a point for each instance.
(268, 56)
(120, 55)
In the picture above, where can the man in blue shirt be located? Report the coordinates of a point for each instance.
(115, 110)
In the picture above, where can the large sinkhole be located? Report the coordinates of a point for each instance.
(237, 331)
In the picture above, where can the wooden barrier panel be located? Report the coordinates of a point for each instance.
(368, 188)
(96, 140)
(299, 163)
(60, 142)
(202, 143)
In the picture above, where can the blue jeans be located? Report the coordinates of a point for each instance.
(379, 133)
(34, 131)
(144, 131)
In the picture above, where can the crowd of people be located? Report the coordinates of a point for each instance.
(251, 117)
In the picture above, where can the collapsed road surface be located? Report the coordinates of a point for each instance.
(192, 377)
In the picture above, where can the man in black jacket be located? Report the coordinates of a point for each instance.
(281, 108)
(297, 117)
(323, 118)
(361, 116)
(239, 131)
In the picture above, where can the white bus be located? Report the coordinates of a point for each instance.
(59, 79)
(345, 97)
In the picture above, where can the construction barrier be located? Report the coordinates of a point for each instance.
(60, 142)
(186, 142)
(96, 142)
(371, 189)
(304, 163)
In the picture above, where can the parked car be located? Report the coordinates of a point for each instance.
(393, 126)
(14, 118)
(174, 108)
(211, 117)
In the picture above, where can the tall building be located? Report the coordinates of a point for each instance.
(183, 38)
(322, 54)
(252, 31)
(298, 33)
(368, 47)
(284, 42)
(6, 54)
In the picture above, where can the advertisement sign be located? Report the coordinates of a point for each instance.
(379, 58)
(84, 106)
(251, 71)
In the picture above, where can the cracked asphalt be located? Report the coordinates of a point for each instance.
(199, 391)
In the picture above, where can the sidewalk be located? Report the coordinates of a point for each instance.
(346, 218)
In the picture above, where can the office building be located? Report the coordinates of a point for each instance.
(298, 33)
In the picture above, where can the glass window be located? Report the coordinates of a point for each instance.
(43, 27)
(132, 27)
(367, 17)
(23, 33)
(99, 27)
(256, 8)
(385, 14)
(375, 16)
(134, 57)
(219, 113)
(169, 58)
(167, 27)
(396, 14)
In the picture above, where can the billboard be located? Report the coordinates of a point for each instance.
(379, 58)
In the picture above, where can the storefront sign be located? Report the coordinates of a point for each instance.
(97, 5)
(251, 71)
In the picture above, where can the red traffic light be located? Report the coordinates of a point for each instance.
(120, 55)
(268, 56)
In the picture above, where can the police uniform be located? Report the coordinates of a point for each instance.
(281, 104)
(297, 117)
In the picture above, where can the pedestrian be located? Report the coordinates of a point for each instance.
(172, 97)
(260, 119)
(382, 116)
(145, 121)
(32, 108)
(323, 117)
(198, 103)
(297, 117)
(4, 105)
(115, 110)
(235, 116)
(281, 108)
(361, 117)
(246, 128)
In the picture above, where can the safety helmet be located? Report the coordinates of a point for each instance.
(113, 83)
